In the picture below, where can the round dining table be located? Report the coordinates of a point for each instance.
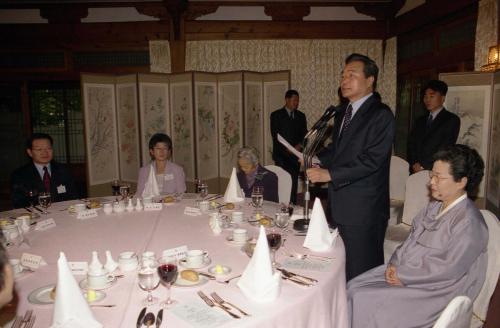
(323, 304)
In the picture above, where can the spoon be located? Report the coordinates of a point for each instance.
(149, 319)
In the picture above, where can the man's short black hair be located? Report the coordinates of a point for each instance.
(290, 93)
(370, 67)
(438, 86)
(36, 136)
(160, 137)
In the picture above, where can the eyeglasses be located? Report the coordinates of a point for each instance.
(438, 177)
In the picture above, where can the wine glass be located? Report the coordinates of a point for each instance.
(282, 220)
(167, 271)
(32, 195)
(203, 188)
(258, 198)
(115, 187)
(149, 279)
(274, 241)
(44, 200)
(125, 191)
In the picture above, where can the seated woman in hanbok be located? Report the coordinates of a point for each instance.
(444, 256)
(252, 174)
(169, 177)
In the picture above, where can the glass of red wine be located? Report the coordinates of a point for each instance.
(274, 242)
(167, 271)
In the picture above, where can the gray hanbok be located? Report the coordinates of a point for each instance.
(443, 257)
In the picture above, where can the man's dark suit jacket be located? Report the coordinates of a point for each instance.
(358, 163)
(27, 178)
(424, 142)
(292, 130)
(264, 178)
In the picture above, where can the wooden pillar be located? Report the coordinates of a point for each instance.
(178, 55)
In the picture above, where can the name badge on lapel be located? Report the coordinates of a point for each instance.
(61, 189)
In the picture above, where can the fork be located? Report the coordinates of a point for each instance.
(228, 280)
(26, 318)
(212, 304)
(219, 300)
(31, 322)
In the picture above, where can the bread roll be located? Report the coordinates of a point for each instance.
(230, 206)
(53, 293)
(190, 275)
(168, 199)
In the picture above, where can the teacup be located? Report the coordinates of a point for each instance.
(196, 258)
(118, 207)
(204, 205)
(237, 217)
(99, 280)
(107, 208)
(79, 207)
(16, 266)
(128, 261)
(240, 235)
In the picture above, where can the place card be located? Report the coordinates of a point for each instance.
(308, 264)
(79, 268)
(177, 252)
(200, 315)
(153, 206)
(192, 211)
(86, 214)
(45, 224)
(31, 261)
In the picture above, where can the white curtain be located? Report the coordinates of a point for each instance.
(486, 31)
(315, 65)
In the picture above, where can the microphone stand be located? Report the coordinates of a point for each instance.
(311, 143)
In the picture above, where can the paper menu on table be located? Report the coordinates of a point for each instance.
(198, 314)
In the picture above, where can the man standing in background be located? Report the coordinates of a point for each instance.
(291, 124)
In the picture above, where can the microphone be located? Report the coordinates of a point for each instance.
(327, 115)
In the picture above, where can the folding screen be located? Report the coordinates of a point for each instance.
(254, 111)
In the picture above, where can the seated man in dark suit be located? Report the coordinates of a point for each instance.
(434, 131)
(41, 174)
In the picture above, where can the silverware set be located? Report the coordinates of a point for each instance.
(228, 280)
(312, 257)
(217, 301)
(297, 278)
(149, 318)
(26, 321)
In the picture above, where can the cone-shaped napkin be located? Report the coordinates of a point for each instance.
(151, 187)
(258, 282)
(71, 310)
(319, 238)
(233, 194)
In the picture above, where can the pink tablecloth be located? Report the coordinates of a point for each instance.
(323, 305)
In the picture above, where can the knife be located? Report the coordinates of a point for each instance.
(141, 317)
(209, 276)
(159, 318)
(28, 209)
(36, 208)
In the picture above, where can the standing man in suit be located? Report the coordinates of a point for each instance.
(434, 131)
(356, 167)
(291, 124)
(41, 174)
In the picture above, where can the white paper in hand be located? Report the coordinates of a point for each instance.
(233, 194)
(258, 282)
(151, 187)
(319, 238)
(70, 307)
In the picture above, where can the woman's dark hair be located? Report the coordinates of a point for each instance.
(3, 262)
(160, 137)
(464, 162)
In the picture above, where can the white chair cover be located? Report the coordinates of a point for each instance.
(483, 299)
(399, 173)
(457, 314)
(284, 183)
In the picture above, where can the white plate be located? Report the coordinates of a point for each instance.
(225, 270)
(231, 241)
(184, 264)
(42, 295)
(183, 283)
(83, 284)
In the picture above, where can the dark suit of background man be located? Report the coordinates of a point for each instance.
(356, 165)
(434, 131)
(291, 124)
(41, 174)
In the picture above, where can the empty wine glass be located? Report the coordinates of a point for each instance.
(281, 220)
(203, 188)
(149, 279)
(274, 242)
(258, 198)
(167, 271)
(125, 191)
(44, 199)
(115, 187)
(32, 195)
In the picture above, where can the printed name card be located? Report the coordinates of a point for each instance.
(87, 214)
(308, 265)
(79, 268)
(192, 211)
(153, 206)
(31, 261)
(177, 252)
(198, 315)
(45, 224)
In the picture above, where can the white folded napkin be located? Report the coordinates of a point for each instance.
(233, 194)
(258, 282)
(151, 187)
(71, 310)
(319, 238)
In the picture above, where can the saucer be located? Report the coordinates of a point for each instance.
(83, 284)
(225, 270)
(231, 241)
(42, 295)
(183, 283)
(206, 262)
